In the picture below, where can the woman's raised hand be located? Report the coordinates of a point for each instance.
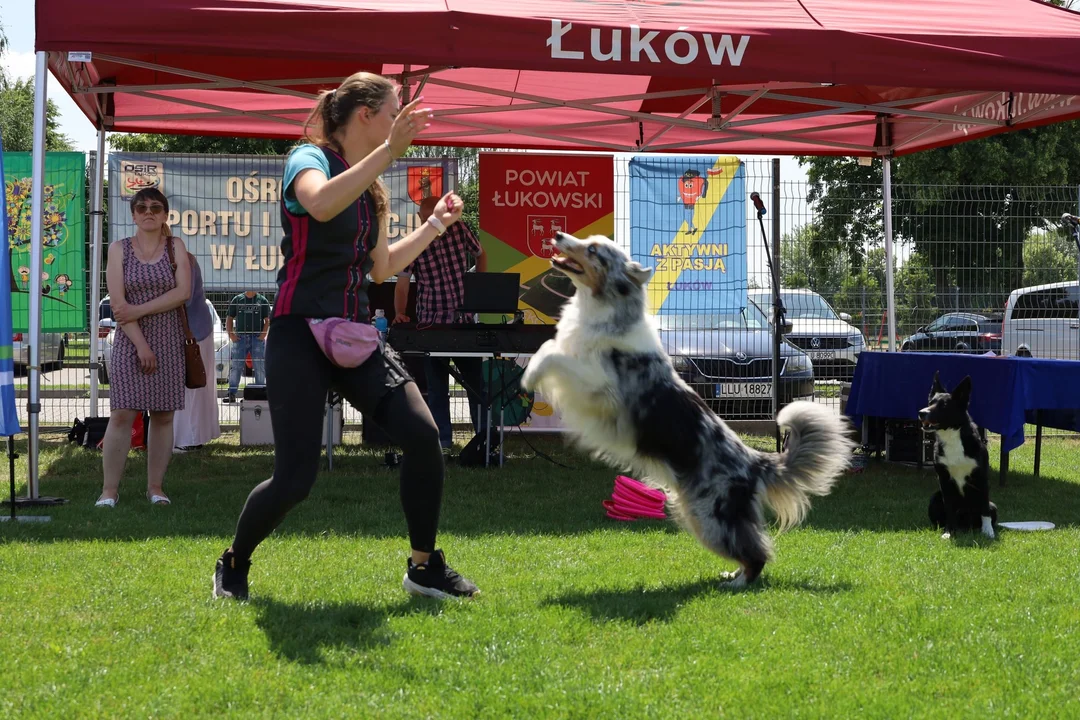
(449, 208)
(411, 120)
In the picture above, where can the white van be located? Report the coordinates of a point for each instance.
(1045, 319)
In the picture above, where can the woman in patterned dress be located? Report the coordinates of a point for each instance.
(147, 370)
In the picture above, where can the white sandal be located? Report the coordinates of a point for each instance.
(107, 502)
(158, 499)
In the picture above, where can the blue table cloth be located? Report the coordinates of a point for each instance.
(1006, 391)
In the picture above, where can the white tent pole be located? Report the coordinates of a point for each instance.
(890, 290)
(96, 230)
(37, 225)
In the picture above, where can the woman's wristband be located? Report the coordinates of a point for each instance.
(437, 224)
(386, 144)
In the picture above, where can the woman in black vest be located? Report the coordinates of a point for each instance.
(333, 211)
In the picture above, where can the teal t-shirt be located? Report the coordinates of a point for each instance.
(302, 158)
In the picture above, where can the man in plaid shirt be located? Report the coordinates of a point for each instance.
(440, 289)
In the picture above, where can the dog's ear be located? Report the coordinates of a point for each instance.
(638, 272)
(962, 392)
(937, 387)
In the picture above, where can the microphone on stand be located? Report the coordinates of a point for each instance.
(756, 199)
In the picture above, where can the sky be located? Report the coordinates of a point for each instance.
(17, 17)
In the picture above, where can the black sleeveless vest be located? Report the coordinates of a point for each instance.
(326, 263)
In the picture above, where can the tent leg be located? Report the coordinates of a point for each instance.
(890, 289)
(775, 282)
(95, 268)
(33, 407)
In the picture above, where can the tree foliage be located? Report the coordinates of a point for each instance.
(967, 208)
(17, 117)
(17, 112)
(859, 288)
(1049, 258)
(199, 144)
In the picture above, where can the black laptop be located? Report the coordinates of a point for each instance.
(490, 292)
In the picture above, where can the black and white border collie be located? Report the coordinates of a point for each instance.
(614, 386)
(962, 463)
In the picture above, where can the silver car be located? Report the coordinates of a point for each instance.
(727, 359)
(52, 351)
(832, 343)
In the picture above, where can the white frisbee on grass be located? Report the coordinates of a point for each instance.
(1028, 525)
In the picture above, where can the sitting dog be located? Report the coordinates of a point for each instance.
(614, 386)
(962, 463)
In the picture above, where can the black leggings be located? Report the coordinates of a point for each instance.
(298, 376)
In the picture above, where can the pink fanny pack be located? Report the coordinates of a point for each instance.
(347, 344)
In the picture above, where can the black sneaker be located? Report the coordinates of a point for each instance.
(231, 577)
(229, 399)
(437, 579)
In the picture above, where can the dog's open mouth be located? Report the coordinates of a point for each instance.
(927, 425)
(565, 264)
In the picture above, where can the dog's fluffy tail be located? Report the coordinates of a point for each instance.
(818, 450)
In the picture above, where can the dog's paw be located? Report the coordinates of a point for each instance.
(989, 533)
(988, 527)
(733, 580)
(946, 535)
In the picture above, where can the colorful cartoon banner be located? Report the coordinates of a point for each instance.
(688, 222)
(63, 275)
(9, 417)
(226, 207)
(525, 198)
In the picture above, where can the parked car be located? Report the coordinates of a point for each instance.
(727, 359)
(52, 351)
(1045, 319)
(222, 349)
(832, 343)
(958, 332)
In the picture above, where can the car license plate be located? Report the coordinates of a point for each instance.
(822, 354)
(744, 390)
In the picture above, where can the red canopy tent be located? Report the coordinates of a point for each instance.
(846, 77)
(744, 76)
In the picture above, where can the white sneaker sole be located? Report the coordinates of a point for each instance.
(414, 589)
(217, 593)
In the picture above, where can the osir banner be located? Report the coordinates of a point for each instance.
(226, 207)
(688, 222)
(525, 198)
(63, 275)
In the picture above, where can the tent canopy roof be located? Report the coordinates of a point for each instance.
(745, 76)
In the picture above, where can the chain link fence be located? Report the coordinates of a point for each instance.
(961, 253)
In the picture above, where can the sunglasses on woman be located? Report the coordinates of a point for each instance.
(155, 208)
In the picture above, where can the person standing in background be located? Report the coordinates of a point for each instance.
(148, 352)
(440, 290)
(247, 322)
(197, 423)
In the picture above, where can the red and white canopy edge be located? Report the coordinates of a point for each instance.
(828, 77)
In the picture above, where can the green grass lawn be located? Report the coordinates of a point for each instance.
(866, 612)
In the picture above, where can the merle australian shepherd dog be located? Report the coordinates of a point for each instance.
(615, 388)
(962, 463)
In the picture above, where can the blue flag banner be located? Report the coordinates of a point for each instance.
(9, 418)
(688, 222)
